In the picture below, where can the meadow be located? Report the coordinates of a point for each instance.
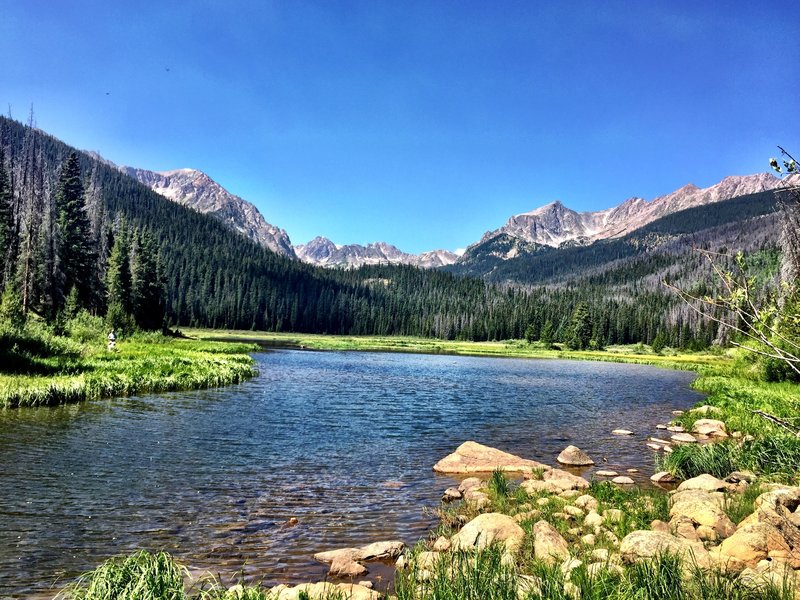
(41, 368)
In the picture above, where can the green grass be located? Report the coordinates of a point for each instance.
(43, 369)
(507, 349)
(485, 574)
(140, 576)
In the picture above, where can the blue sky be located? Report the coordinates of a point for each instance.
(422, 124)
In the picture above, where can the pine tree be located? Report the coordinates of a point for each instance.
(75, 240)
(580, 330)
(546, 337)
(119, 282)
(148, 291)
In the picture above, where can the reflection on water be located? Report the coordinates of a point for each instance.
(344, 442)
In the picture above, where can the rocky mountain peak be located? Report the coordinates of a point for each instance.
(197, 190)
(555, 224)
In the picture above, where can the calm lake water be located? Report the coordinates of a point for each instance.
(344, 442)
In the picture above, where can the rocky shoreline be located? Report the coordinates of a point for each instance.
(558, 518)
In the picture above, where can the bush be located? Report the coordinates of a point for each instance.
(85, 327)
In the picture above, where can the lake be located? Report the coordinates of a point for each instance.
(344, 442)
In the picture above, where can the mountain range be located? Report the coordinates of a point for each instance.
(552, 225)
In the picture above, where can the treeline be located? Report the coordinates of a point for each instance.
(59, 253)
(79, 233)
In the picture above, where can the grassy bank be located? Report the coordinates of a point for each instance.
(40, 368)
(638, 354)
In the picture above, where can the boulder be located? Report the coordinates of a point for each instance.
(622, 432)
(375, 551)
(623, 480)
(574, 511)
(684, 438)
(555, 481)
(704, 482)
(593, 519)
(487, 528)
(701, 508)
(452, 494)
(472, 457)
(548, 545)
(643, 545)
(382, 550)
(749, 545)
(575, 457)
(442, 544)
(341, 554)
(739, 476)
(320, 590)
(711, 427)
(470, 483)
(586, 502)
(663, 477)
(342, 567)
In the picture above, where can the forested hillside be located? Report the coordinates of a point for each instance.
(149, 256)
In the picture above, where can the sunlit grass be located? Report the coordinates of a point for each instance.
(43, 369)
(508, 348)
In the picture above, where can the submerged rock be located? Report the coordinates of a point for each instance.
(663, 477)
(574, 456)
(472, 457)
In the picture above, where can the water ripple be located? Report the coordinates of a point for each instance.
(344, 442)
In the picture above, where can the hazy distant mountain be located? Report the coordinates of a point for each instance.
(323, 252)
(556, 225)
(197, 190)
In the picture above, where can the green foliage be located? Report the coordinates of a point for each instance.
(76, 251)
(140, 576)
(659, 342)
(547, 335)
(498, 484)
(119, 281)
(11, 312)
(39, 368)
(147, 291)
(580, 329)
(740, 505)
(85, 327)
(119, 319)
(460, 576)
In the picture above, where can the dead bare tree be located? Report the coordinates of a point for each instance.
(761, 323)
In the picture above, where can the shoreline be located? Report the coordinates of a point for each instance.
(635, 354)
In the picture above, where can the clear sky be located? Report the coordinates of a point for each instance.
(422, 124)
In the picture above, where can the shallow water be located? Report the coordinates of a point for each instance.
(344, 442)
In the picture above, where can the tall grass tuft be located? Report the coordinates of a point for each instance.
(140, 576)
(483, 575)
(499, 485)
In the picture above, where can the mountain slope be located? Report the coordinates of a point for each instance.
(746, 223)
(198, 191)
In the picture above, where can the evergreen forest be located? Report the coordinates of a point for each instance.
(78, 234)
